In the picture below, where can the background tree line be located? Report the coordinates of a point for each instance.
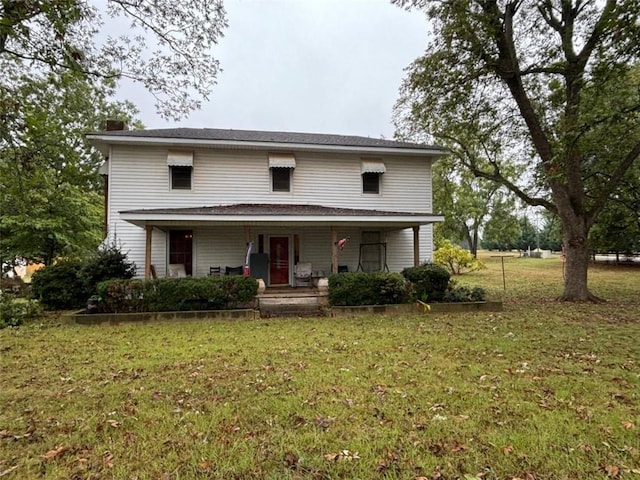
(61, 61)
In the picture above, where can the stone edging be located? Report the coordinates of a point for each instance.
(82, 318)
(458, 307)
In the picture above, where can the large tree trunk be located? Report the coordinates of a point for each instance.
(575, 230)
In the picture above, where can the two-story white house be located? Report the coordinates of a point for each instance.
(197, 198)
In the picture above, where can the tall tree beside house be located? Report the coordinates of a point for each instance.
(50, 190)
(164, 45)
(466, 201)
(502, 230)
(553, 83)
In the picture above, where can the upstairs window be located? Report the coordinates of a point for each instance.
(281, 167)
(281, 179)
(180, 169)
(370, 182)
(372, 171)
(180, 178)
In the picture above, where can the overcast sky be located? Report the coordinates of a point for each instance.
(321, 66)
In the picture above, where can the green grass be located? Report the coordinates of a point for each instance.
(543, 390)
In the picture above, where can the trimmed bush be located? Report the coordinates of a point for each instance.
(464, 294)
(108, 263)
(360, 288)
(59, 286)
(176, 294)
(122, 296)
(69, 283)
(429, 282)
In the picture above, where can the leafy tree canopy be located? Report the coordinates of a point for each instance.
(549, 85)
(465, 200)
(50, 189)
(167, 46)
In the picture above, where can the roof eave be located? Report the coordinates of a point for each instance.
(143, 219)
(102, 142)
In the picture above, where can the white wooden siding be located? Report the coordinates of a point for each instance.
(139, 179)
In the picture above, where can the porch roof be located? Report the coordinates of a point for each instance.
(275, 214)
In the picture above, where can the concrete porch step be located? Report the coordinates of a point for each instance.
(291, 304)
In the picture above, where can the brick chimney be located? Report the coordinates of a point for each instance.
(113, 125)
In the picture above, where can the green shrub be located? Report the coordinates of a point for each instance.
(179, 294)
(456, 259)
(457, 293)
(176, 294)
(14, 312)
(108, 263)
(122, 296)
(428, 281)
(59, 286)
(360, 288)
(69, 283)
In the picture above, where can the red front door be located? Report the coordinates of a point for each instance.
(278, 260)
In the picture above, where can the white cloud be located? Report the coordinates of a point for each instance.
(312, 66)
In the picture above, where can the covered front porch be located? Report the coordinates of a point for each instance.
(284, 245)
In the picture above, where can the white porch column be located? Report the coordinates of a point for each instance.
(147, 252)
(334, 250)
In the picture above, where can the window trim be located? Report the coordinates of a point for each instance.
(289, 172)
(174, 170)
(378, 177)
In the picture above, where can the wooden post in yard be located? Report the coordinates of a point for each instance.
(416, 245)
(147, 252)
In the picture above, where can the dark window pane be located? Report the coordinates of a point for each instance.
(181, 178)
(281, 178)
(371, 183)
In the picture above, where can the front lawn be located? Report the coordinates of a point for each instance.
(542, 390)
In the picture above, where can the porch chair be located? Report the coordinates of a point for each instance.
(302, 274)
(215, 271)
(233, 270)
(177, 270)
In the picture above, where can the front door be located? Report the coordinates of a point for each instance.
(181, 249)
(278, 260)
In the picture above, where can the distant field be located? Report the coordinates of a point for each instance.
(543, 390)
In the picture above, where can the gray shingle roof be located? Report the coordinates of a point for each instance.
(216, 134)
(271, 210)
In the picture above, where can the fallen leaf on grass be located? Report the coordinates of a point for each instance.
(291, 460)
(628, 425)
(342, 455)
(55, 452)
(458, 447)
(507, 449)
(612, 471)
(107, 459)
